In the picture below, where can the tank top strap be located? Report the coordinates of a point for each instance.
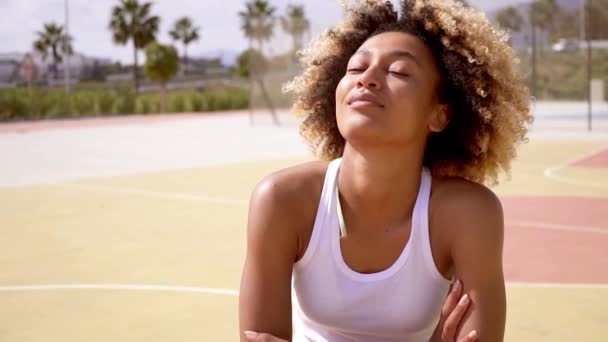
(419, 214)
(423, 227)
(325, 212)
(426, 180)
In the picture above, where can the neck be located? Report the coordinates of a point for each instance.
(379, 188)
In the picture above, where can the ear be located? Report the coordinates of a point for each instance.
(440, 118)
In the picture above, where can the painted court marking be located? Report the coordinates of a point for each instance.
(555, 226)
(235, 293)
(232, 201)
(149, 193)
(551, 172)
(136, 287)
(548, 172)
(557, 285)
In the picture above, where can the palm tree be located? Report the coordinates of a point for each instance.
(296, 25)
(510, 19)
(59, 43)
(540, 15)
(596, 18)
(569, 25)
(184, 32)
(161, 65)
(544, 13)
(132, 21)
(533, 23)
(257, 23)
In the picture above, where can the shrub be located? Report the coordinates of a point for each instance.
(40, 103)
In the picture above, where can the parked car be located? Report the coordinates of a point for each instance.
(566, 45)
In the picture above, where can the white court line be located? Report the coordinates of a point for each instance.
(235, 293)
(137, 287)
(528, 165)
(148, 193)
(550, 172)
(555, 226)
(530, 173)
(203, 198)
(507, 195)
(557, 285)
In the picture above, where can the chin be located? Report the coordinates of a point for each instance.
(360, 129)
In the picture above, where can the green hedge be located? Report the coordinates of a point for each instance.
(37, 103)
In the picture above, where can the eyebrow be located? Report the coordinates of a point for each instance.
(395, 53)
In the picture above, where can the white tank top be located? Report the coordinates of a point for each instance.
(333, 303)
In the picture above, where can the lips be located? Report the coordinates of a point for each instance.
(364, 100)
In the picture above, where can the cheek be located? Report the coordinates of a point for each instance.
(411, 106)
(342, 90)
(413, 96)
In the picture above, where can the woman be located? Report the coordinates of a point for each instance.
(413, 112)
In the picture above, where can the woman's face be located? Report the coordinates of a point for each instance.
(388, 94)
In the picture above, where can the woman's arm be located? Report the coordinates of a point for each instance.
(476, 220)
(265, 294)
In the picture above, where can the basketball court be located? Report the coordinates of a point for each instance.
(133, 228)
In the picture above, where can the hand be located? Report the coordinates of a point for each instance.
(452, 313)
(261, 337)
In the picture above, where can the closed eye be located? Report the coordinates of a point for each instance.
(355, 70)
(400, 74)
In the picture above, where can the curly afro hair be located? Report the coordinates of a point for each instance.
(488, 100)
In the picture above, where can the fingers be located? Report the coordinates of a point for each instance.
(471, 337)
(452, 299)
(253, 336)
(454, 318)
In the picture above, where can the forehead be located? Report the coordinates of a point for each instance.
(389, 41)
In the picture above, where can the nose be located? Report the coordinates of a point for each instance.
(368, 79)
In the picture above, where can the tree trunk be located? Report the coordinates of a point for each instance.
(543, 42)
(186, 66)
(295, 47)
(250, 79)
(55, 63)
(533, 86)
(135, 78)
(267, 99)
(163, 97)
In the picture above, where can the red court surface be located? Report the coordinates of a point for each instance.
(550, 239)
(33, 126)
(598, 160)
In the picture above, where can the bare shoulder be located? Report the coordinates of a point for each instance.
(291, 186)
(285, 203)
(464, 194)
(466, 205)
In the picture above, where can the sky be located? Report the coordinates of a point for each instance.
(218, 19)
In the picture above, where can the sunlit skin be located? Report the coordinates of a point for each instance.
(428, 83)
(387, 104)
(388, 95)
